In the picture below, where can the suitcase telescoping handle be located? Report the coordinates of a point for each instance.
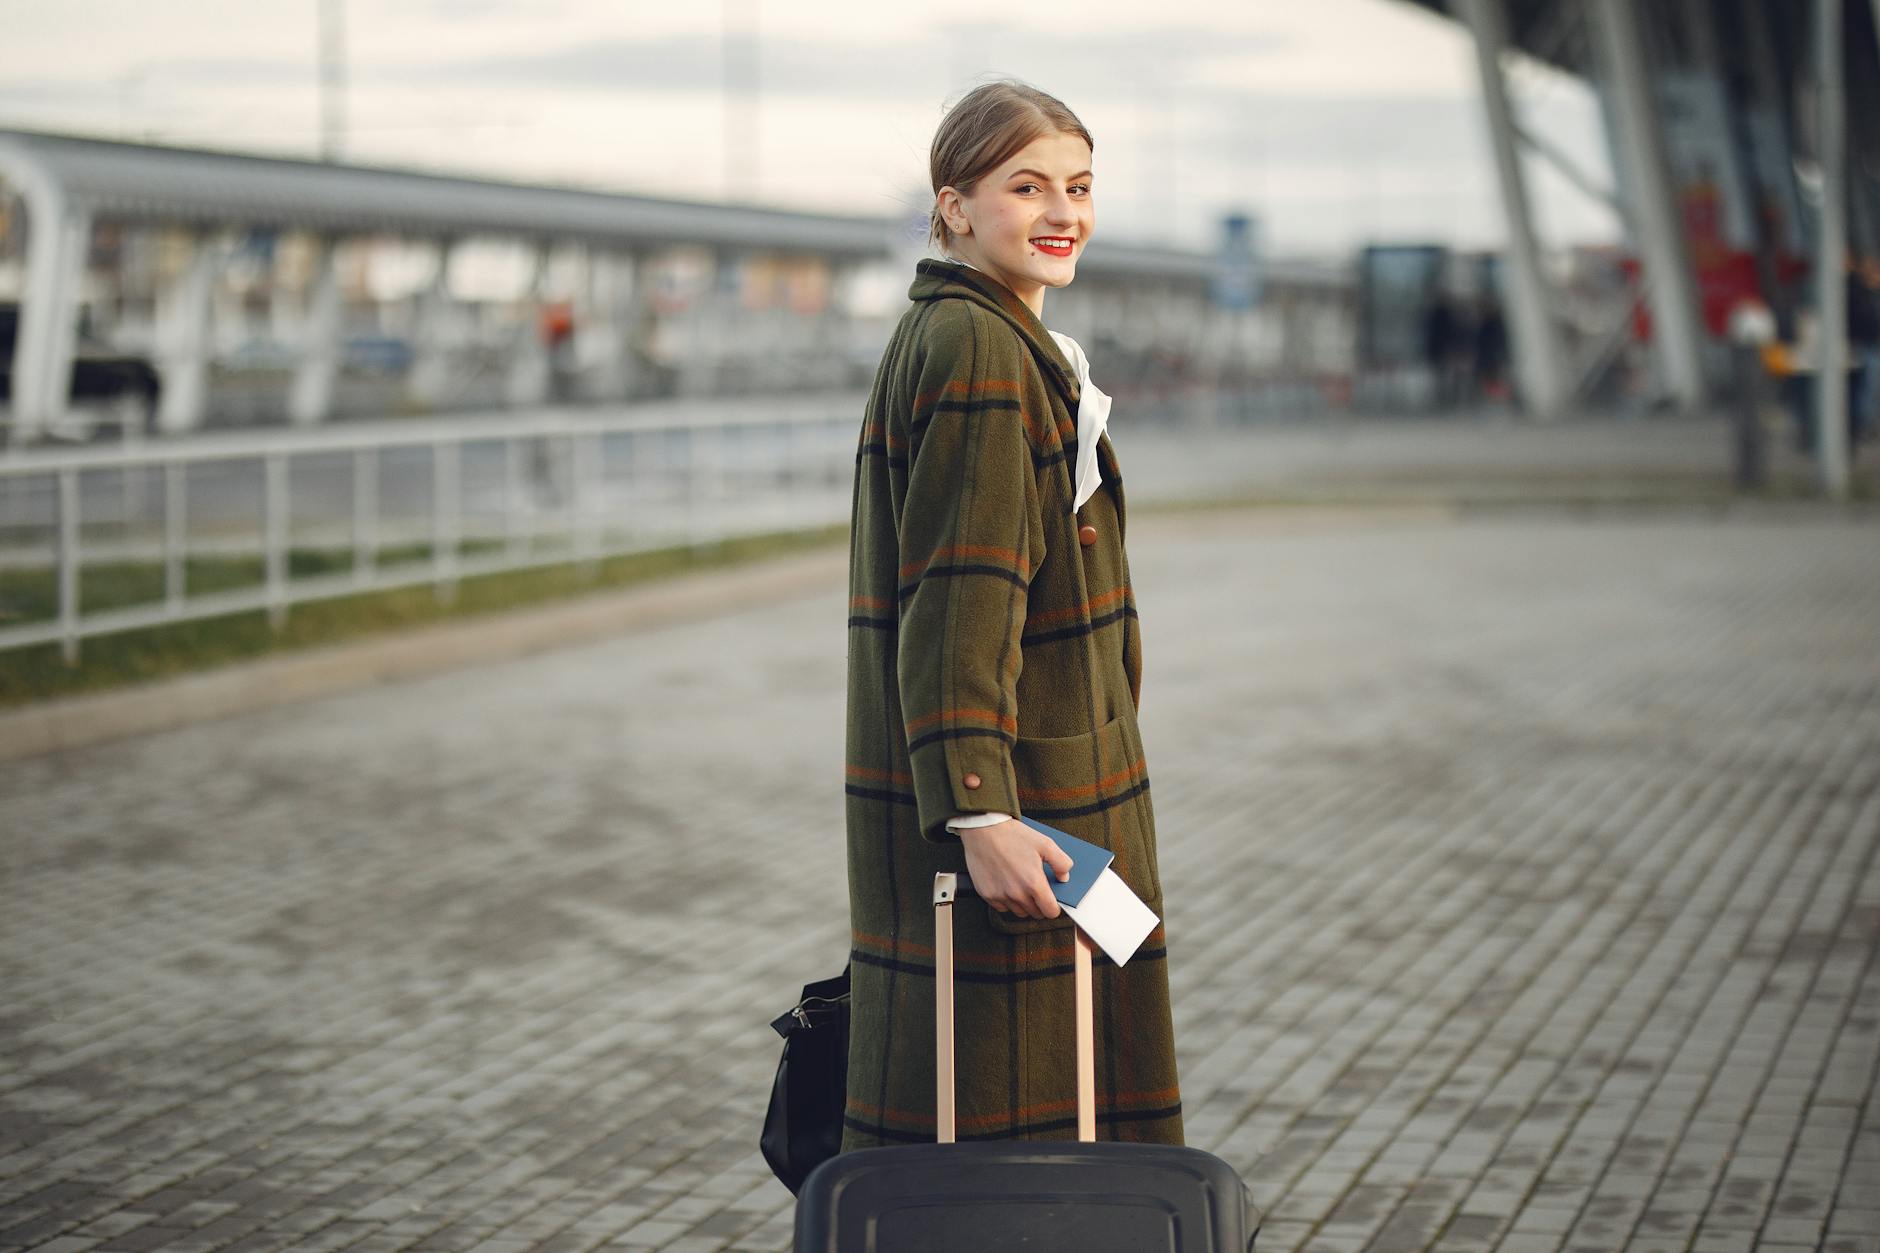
(946, 887)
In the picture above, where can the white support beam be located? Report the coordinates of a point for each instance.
(616, 298)
(528, 379)
(1570, 170)
(57, 240)
(183, 309)
(830, 338)
(716, 326)
(1539, 359)
(429, 380)
(1670, 289)
(311, 399)
(1831, 258)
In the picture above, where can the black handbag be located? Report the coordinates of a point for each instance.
(803, 1127)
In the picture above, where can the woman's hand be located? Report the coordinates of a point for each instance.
(1006, 864)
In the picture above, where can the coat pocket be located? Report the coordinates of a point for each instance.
(1094, 786)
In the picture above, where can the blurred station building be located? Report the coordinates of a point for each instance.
(189, 288)
(1744, 140)
(274, 291)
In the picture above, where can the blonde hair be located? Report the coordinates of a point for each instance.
(990, 124)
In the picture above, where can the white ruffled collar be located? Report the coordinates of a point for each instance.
(1093, 414)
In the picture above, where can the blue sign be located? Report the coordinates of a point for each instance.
(1237, 279)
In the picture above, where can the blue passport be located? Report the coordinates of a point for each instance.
(1088, 861)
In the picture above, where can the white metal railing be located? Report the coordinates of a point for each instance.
(504, 493)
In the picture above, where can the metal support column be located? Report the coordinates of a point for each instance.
(276, 523)
(58, 238)
(616, 294)
(528, 380)
(1868, 200)
(446, 517)
(833, 323)
(1677, 332)
(68, 558)
(175, 535)
(429, 379)
(183, 310)
(311, 400)
(1831, 258)
(1539, 359)
(713, 327)
(639, 323)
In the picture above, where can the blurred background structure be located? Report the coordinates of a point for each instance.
(265, 290)
(256, 285)
(1732, 127)
(152, 294)
(1516, 753)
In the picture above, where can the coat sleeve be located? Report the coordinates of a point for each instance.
(971, 536)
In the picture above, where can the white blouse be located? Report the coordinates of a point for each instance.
(1093, 415)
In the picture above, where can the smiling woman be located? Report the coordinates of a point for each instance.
(1010, 197)
(994, 667)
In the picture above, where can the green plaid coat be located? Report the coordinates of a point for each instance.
(994, 663)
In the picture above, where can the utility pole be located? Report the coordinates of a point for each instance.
(742, 144)
(1831, 453)
(332, 80)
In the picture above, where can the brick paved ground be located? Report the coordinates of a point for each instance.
(1521, 875)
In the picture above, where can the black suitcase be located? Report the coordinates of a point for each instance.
(1032, 1195)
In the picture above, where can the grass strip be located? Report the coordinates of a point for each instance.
(38, 672)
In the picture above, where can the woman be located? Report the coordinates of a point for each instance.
(994, 667)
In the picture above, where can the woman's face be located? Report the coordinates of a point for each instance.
(1027, 222)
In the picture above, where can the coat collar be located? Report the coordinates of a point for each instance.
(936, 279)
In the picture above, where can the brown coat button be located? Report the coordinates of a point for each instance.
(971, 780)
(1086, 535)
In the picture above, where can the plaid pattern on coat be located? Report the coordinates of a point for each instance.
(986, 640)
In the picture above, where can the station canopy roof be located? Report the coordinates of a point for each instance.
(153, 182)
(1549, 30)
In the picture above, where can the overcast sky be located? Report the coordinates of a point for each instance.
(1336, 122)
